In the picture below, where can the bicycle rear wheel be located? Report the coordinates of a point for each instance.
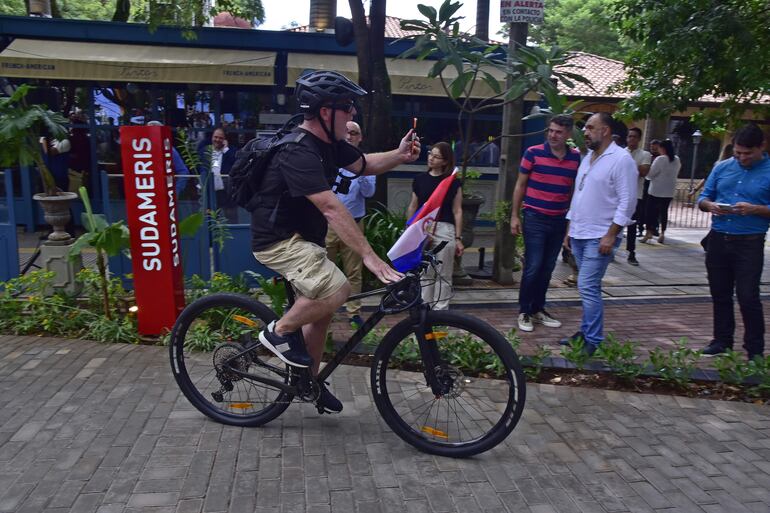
(482, 385)
(214, 339)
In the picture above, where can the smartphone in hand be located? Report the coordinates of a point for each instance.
(727, 207)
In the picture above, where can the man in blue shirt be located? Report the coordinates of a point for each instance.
(737, 193)
(355, 201)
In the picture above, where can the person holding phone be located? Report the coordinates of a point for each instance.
(737, 194)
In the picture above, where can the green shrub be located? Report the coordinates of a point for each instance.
(533, 364)
(122, 330)
(383, 228)
(196, 287)
(575, 353)
(620, 357)
(274, 289)
(92, 289)
(677, 365)
(759, 370)
(732, 367)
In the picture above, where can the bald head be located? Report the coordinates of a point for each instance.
(353, 135)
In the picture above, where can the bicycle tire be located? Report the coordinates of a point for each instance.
(422, 419)
(196, 372)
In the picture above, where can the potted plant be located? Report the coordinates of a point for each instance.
(21, 127)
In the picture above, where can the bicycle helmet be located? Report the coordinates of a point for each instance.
(324, 87)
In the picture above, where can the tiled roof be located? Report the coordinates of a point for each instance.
(601, 71)
(226, 20)
(392, 28)
(604, 72)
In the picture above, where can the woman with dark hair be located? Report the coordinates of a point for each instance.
(662, 177)
(437, 288)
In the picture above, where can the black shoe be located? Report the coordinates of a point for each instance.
(326, 402)
(632, 259)
(356, 321)
(715, 348)
(578, 335)
(590, 349)
(288, 348)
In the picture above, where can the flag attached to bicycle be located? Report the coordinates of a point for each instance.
(406, 253)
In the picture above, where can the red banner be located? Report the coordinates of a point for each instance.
(148, 176)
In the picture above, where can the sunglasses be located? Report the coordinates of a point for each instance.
(344, 107)
(354, 133)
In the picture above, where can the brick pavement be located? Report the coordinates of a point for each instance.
(86, 427)
(650, 322)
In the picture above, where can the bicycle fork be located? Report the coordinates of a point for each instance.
(427, 341)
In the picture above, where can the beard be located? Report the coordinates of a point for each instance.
(593, 145)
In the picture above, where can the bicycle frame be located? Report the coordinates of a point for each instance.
(417, 312)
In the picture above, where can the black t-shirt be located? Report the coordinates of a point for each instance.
(296, 171)
(424, 185)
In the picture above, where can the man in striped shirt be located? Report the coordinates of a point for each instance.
(543, 189)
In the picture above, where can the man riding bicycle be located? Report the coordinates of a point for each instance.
(296, 204)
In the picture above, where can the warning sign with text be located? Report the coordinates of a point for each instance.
(522, 11)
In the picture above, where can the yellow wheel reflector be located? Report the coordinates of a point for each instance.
(436, 335)
(434, 432)
(245, 320)
(241, 406)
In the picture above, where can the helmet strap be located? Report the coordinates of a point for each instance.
(329, 132)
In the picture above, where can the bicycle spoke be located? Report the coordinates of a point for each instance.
(217, 356)
(465, 409)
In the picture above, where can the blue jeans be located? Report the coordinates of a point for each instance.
(591, 268)
(543, 238)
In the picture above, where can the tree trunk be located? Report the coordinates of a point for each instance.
(482, 19)
(510, 156)
(373, 74)
(122, 10)
(373, 77)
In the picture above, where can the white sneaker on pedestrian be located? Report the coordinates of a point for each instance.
(545, 319)
(525, 322)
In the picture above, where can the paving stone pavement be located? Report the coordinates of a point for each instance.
(87, 427)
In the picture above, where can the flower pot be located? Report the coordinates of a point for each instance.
(471, 206)
(56, 212)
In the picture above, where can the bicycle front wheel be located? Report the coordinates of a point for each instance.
(482, 387)
(215, 348)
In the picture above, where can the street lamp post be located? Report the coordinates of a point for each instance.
(696, 137)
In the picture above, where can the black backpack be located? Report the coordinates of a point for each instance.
(250, 164)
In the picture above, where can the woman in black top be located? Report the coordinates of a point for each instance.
(437, 289)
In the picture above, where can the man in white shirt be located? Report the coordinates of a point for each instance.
(355, 201)
(643, 160)
(602, 205)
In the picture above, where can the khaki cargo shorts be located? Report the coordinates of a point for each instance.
(305, 265)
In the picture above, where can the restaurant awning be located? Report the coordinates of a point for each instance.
(407, 76)
(69, 60)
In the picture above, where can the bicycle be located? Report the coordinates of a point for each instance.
(444, 382)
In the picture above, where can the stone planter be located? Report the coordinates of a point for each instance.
(56, 212)
(471, 206)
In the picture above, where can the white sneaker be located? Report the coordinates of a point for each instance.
(525, 322)
(546, 320)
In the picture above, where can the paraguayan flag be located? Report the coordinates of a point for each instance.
(406, 253)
